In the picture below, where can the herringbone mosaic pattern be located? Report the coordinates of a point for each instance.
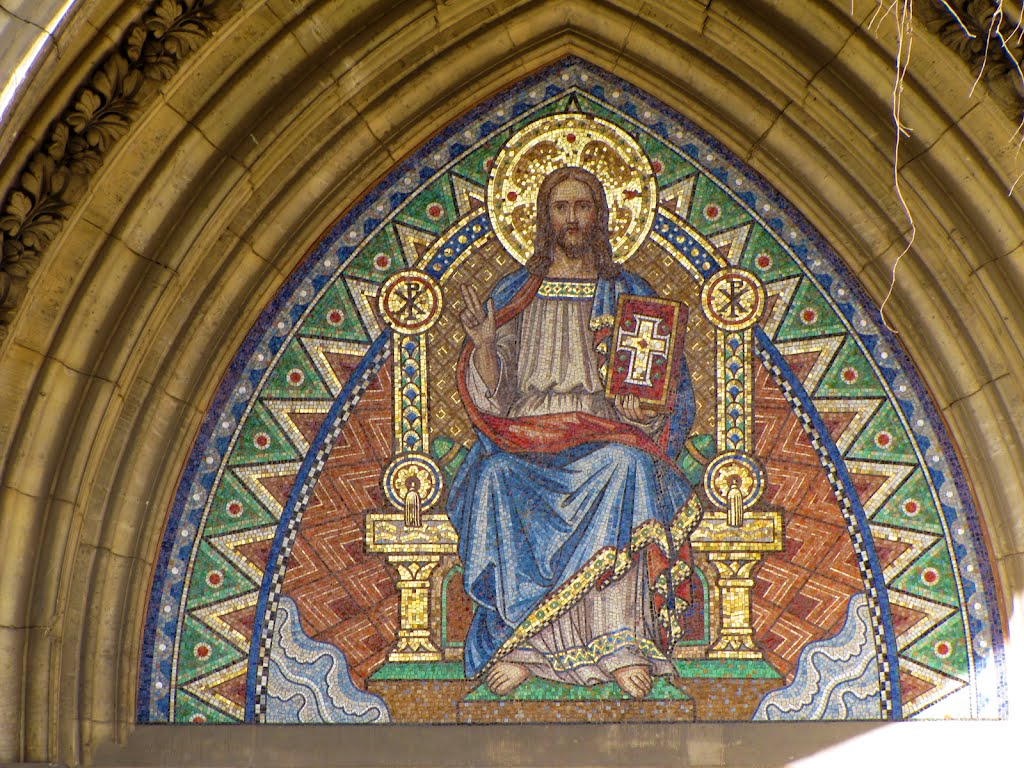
(345, 596)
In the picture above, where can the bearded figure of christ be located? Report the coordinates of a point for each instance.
(570, 511)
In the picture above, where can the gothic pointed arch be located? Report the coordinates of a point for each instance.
(144, 314)
(282, 515)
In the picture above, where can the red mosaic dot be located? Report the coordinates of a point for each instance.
(764, 261)
(214, 578)
(712, 212)
(261, 441)
(883, 439)
(435, 211)
(488, 163)
(809, 316)
(335, 317)
(570, 138)
(234, 508)
(930, 576)
(198, 718)
(850, 375)
(511, 196)
(657, 166)
(943, 649)
(911, 507)
(202, 651)
(381, 261)
(296, 377)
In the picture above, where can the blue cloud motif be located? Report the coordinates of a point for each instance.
(836, 678)
(309, 680)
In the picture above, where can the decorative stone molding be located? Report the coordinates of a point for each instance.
(102, 110)
(56, 176)
(995, 53)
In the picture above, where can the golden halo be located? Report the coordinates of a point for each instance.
(571, 139)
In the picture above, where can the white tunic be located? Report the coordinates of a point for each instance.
(548, 364)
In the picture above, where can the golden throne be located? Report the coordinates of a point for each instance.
(432, 435)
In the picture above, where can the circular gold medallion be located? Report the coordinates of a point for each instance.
(733, 470)
(733, 299)
(571, 140)
(412, 472)
(410, 301)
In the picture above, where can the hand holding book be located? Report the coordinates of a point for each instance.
(646, 339)
(629, 406)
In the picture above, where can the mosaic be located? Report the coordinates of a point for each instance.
(571, 419)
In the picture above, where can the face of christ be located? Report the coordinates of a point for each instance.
(573, 217)
(572, 228)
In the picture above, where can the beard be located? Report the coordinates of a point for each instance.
(575, 241)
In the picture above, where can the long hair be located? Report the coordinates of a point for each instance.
(544, 243)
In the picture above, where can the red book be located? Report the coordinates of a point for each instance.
(646, 339)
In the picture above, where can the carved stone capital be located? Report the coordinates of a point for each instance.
(101, 111)
(995, 51)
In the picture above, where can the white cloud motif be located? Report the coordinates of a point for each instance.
(309, 680)
(836, 678)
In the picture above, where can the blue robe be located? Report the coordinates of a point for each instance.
(539, 529)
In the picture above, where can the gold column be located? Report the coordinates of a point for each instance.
(738, 534)
(414, 643)
(415, 551)
(735, 571)
(736, 552)
(412, 540)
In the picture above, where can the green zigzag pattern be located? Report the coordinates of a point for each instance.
(708, 199)
(780, 265)
(189, 707)
(952, 660)
(295, 377)
(214, 578)
(252, 513)
(911, 507)
(850, 374)
(195, 636)
(810, 316)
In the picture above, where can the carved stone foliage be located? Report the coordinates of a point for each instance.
(995, 51)
(55, 177)
(101, 112)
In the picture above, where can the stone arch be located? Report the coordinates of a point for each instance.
(203, 208)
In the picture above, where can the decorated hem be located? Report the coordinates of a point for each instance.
(567, 289)
(604, 562)
(601, 648)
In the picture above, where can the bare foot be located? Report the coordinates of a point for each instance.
(506, 676)
(635, 681)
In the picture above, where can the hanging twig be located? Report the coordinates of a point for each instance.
(967, 32)
(903, 13)
(988, 42)
(1016, 65)
(875, 18)
(1015, 182)
(904, 19)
